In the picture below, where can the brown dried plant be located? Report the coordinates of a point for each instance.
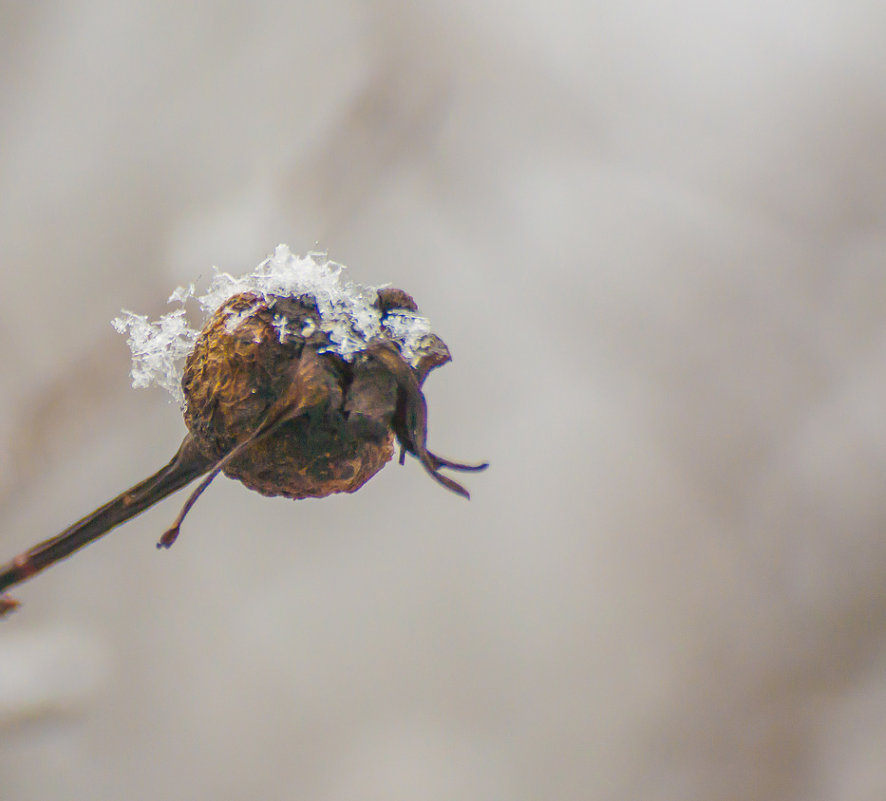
(281, 411)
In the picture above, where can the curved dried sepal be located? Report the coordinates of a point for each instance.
(299, 395)
(411, 426)
(439, 462)
(390, 297)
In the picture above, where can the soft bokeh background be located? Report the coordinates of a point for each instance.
(654, 237)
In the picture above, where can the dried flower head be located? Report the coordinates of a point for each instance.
(298, 384)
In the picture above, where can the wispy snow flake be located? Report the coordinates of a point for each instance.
(181, 293)
(280, 323)
(158, 348)
(347, 315)
(234, 320)
(409, 330)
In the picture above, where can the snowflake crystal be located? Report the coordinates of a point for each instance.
(347, 315)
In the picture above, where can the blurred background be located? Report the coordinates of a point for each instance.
(654, 238)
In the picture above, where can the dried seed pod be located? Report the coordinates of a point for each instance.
(301, 391)
(341, 436)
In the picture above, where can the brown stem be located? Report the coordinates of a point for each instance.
(185, 466)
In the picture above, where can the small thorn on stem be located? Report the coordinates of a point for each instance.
(7, 604)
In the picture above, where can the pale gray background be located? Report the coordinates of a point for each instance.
(652, 235)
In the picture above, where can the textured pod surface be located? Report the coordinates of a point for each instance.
(250, 354)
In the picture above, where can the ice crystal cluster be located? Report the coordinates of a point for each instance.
(347, 315)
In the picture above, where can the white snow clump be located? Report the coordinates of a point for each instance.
(159, 348)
